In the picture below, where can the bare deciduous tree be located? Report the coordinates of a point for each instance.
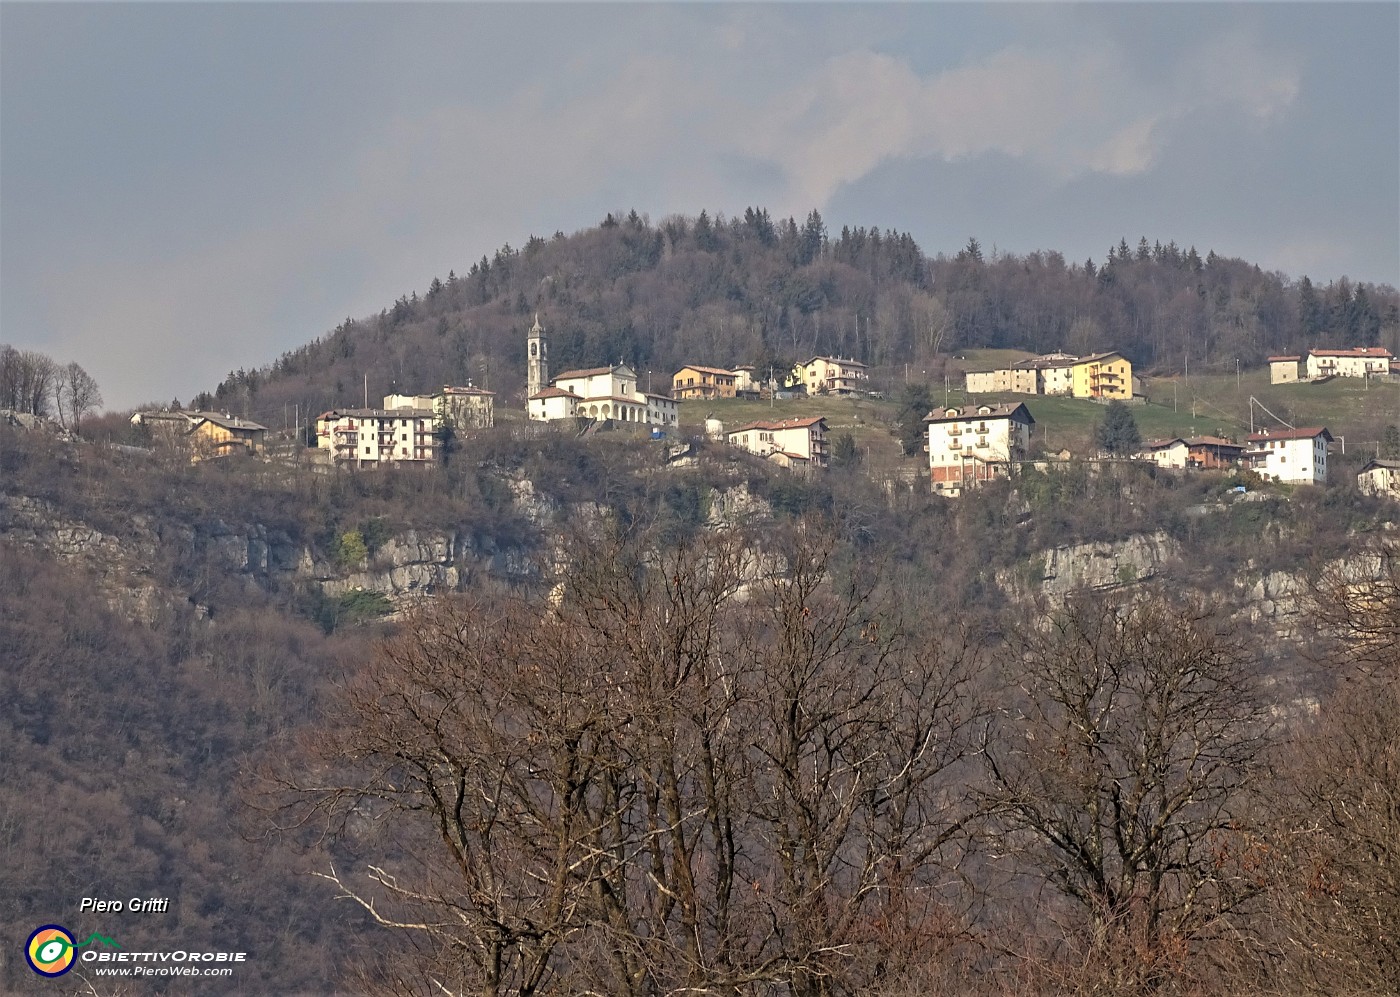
(26, 380)
(1338, 844)
(699, 765)
(75, 394)
(1123, 777)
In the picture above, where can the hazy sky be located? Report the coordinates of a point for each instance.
(190, 188)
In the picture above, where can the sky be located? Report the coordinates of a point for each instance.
(189, 188)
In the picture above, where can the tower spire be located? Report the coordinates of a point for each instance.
(537, 350)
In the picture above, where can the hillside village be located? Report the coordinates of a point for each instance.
(236, 564)
(986, 438)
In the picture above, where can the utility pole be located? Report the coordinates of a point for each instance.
(1237, 373)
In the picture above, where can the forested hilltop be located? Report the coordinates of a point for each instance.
(752, 289)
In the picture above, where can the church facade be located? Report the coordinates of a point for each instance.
(601, 393)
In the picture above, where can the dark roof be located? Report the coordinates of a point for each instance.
(1212, 441)
(227, 421)
(1006, 411)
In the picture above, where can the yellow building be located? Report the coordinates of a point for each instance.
(694, 381)
(1102, 375)
(217, 435)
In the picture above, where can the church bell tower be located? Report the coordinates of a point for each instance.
(538, 367)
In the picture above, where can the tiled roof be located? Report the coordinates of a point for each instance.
(1283, 359)
(1212, 441)
(569, 375)
(1290, 434)
(554, 393)
(705, 370)
(769, 427)
(228, 421)
(1005, 411)
(1377, 352)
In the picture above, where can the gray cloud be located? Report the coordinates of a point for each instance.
(190, 188)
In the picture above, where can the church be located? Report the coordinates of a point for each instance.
(600, 393)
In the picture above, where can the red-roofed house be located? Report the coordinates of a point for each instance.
(1211, 453)
(1358, 362)
(789, 442)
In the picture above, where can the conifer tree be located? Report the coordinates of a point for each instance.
(1117, 432)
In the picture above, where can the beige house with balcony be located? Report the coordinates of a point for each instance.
(1360, 362)
(830, 376)
(376, 437)
(696, 382)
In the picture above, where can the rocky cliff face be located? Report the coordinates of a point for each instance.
(407, 565)
(1099, 565)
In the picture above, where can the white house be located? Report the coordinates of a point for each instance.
(1166, 453)
(1359, 362)
(745, 383)
(551, 404)
(377, 436)
(975, 443)
(789, 442)
(1380, 477)
(1297, 455)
